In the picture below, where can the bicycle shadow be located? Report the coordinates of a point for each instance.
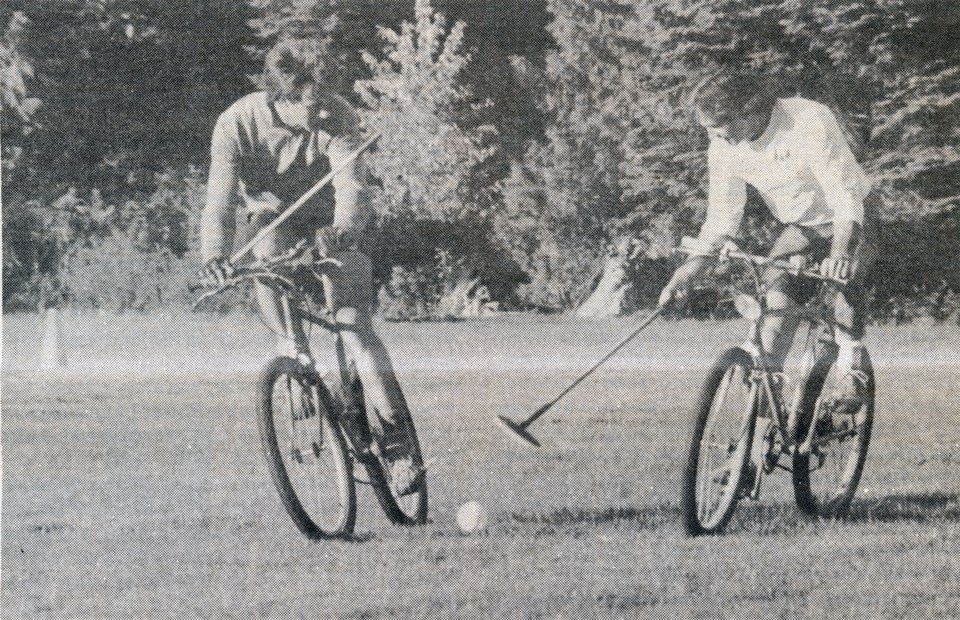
(761, 519)
(655, 517)
(785, 517)
(907, 507)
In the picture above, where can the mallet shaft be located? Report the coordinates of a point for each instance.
(300, 201)
(542, 410)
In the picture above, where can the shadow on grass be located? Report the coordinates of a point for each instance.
(750, 518)
(913, 507)
(644, 518)
(766, 519)
(785, 517)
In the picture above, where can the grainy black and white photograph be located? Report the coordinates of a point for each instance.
(554, 309)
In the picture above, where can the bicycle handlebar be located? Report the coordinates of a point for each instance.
(268, 268)
(763, 261)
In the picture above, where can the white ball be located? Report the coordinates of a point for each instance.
(472, 517)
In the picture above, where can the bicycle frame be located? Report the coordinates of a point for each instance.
(294, 306)
(783, 416)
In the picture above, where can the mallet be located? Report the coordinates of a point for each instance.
(519, 429)
(300, 201)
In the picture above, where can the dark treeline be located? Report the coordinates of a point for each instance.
(522, 138)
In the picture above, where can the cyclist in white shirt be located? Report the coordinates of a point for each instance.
(793, 152)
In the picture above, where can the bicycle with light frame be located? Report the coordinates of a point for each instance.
(744, 428)
(312, 430)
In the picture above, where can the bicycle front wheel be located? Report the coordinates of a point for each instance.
(720, 445)
(305, 450)
(825, 478)
(403, 506)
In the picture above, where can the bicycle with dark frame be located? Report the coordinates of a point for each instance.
(745, 429)
(313, 430)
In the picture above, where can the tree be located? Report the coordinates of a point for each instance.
(888, 67)
(426, 162)
(348, 29)
(119, 93)
(19, 107)
(436, 177)
(623, 151)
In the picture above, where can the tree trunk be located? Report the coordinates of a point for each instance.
(611, 296)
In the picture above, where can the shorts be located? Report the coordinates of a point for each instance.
(302, 225)
(848, 300)
(352, 283)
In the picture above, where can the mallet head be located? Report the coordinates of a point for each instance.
(518, 431)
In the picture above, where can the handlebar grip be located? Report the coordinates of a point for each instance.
(807, 273)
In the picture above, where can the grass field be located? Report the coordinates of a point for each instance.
(133, 485)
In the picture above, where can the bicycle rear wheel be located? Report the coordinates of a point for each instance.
(305, 450)
(825, 479)
(410, 506)
(720, 445)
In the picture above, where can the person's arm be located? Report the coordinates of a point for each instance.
(217, 219)
(726, 199)
(844, 186)
(353, 210)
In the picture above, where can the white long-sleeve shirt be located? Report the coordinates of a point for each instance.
(802, 166)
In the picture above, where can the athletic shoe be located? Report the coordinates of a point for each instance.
(850, 392)
(404, 476)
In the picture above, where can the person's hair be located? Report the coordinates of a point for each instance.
(726, 97)
(294, 62)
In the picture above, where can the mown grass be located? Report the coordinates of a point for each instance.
(133, 485)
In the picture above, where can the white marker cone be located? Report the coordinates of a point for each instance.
(54, 355)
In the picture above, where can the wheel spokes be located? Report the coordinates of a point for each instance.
(310, 448)
(723, 444)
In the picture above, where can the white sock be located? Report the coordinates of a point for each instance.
(286, 347)
(851, 350)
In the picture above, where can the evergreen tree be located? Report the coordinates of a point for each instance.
(428, 165)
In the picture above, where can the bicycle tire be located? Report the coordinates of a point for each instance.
(321, 495)
(833, 501)
(698, 474)
(410, 509)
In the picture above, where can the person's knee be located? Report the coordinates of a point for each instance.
(268, 246)
(354, 319)
(848, 311)
(779, 300)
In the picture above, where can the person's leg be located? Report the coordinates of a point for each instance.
(783, 293)
(352, 299)
(268, 300)
(779, 331)
(849, 303)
